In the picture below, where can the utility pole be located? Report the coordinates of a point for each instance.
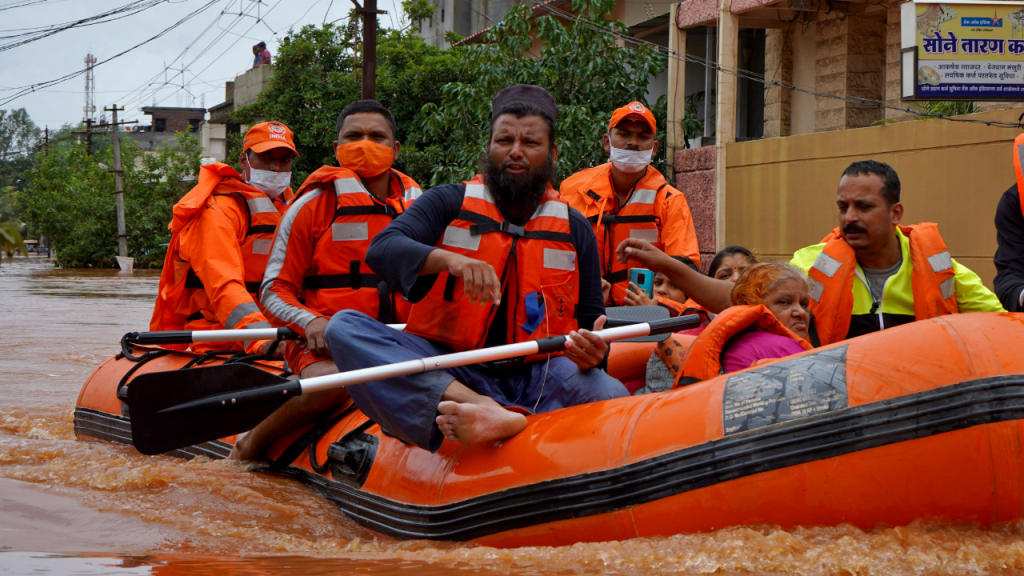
(88, 136)
(46, 136)
(122, 241)
(369, 64)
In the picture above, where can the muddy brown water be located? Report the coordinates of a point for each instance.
(70, 507)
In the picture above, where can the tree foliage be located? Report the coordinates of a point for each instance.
(19, 135)
(313, 82)
(10, 227)
(442, 99)
(69, 198)
(579, 63)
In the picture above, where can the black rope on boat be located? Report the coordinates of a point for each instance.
(139, 361)
(126, 346)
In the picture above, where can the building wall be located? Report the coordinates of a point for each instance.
(695, 177)
(249, 85)
(178, 120)
(780, 192)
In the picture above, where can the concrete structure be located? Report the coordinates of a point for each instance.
(245, 89)
(777, 195)
(164, 123)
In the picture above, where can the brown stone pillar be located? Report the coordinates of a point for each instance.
(850, 63)
(778, 65)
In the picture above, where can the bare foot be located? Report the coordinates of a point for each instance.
(238, 451)
(478, 423)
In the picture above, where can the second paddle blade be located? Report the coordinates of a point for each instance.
(158, 427)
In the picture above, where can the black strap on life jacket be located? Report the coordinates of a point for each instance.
(483, 224)
(193, 281)
(619, 219)
(617, 276)
(357, 281)
(382, 209)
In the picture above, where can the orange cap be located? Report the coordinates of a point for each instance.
(634, 111)
(267, 135)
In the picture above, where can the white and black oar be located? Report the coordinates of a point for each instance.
(208, 336)
(212, 336)
(178, 408)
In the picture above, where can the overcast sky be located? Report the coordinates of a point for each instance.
(126, 80)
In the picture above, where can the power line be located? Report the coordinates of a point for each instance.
(759, 78)
(30, 88)
(41, 32)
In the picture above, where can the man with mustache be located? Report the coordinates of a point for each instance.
(495, 260)
(317, 266)
(868, 274)
(628, 198)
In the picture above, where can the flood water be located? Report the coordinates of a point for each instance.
(70, 507)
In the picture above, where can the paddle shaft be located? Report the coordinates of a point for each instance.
(210, 336)
(542, 346)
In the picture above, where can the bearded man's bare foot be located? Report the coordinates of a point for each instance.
(478, 423)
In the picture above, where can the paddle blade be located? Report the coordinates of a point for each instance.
(178, 408)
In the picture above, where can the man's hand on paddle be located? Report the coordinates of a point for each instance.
(585, 348)
(481, 283)
(315, 337)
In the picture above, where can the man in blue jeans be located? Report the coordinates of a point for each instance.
(496, 260)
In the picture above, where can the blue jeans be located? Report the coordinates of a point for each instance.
(407, 406)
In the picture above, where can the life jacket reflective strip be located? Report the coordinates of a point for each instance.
(704, 360)
(634, 219)
(178, 280)
(343, 280)
(833, 272)
(536, 262)
(1018, 166)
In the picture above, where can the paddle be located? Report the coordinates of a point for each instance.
(197, 336)
(178, 408)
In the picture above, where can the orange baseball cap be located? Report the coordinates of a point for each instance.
(267, 135)
(634, 111)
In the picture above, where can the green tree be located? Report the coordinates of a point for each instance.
(580, 64)
(10, 227)
(19, 135)
(69, 198)
(313, 81)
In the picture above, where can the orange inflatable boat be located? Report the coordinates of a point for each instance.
(920, 421)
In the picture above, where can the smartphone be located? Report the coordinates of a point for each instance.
(643, 278)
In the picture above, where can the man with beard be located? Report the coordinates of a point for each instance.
(496, 260)
(629, 198)
(870, 273)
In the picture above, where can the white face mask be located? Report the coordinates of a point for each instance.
(271, 183)
(630, 161)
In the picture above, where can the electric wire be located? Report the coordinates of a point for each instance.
(30, 88)
(760, 78)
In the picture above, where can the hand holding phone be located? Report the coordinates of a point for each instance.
(643, 278)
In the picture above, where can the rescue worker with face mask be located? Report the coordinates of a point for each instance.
(629, 198)
(221, 234)
(869, 274)
(318, 268)
(498, 259)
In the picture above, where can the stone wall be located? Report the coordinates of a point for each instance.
(778, 65)
(695, 177)
(850, 62)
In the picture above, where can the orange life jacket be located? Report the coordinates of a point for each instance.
(343, 280)
(683, 308)
(1018, 150)
(536, 262)
(634, 219)
(182, 302)
(833, 272)
(704, 360)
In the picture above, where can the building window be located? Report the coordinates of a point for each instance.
(159, 124)
(194, 123)
(442, 15)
